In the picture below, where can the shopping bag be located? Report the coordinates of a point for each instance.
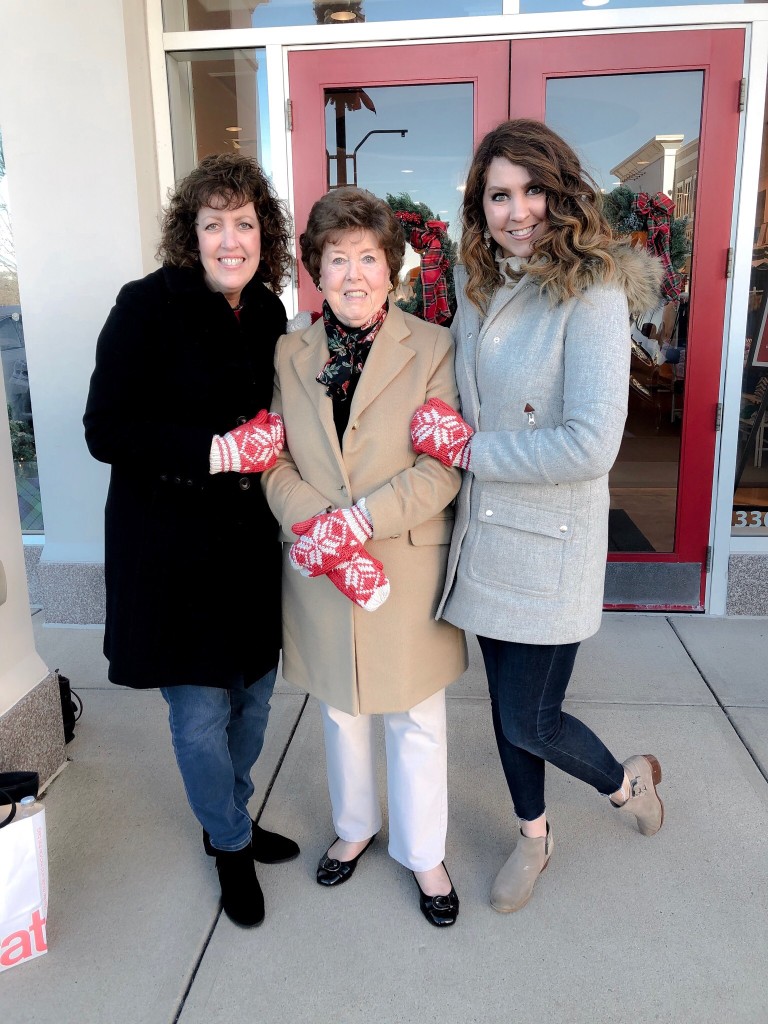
(23, 882)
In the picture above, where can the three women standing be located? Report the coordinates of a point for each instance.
(365, 528)
(542, 335)
(177, 407)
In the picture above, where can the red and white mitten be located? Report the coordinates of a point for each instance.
(329, 539)
(251, 448)
(439, 431)
(361, 578)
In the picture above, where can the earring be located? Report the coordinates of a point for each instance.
(319, 288)
(487, 237)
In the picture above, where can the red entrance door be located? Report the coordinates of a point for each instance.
(662, 481)
(652, 112)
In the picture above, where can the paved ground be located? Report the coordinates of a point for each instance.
(622, 929)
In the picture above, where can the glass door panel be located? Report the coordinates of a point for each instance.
(633, 140)
(399, 121)
(656, 112)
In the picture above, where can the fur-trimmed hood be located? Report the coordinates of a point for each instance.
(637, 272)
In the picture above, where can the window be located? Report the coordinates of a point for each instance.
(218, 105)
(750, 498)
(13, 357)
(183, 15)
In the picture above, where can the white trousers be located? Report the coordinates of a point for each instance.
(417, 779)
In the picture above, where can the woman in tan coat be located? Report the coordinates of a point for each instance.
(366, 525)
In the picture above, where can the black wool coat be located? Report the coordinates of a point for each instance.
(192, 561)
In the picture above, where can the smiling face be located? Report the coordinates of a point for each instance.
(515, 208)
(230, 248)
(354, 276)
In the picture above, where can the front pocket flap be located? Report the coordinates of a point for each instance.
(530, 518)
(433, 531)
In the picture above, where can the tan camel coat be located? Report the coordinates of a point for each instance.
(395, 657)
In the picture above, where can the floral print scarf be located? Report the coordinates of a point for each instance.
(349, 348)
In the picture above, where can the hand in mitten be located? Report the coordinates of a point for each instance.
(361, 578)
(439, 431)
(251, 448)
(330, 538)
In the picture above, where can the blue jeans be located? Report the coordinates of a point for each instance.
(527, 684)
(217, 738)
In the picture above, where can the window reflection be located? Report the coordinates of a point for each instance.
(13, 357)
(750, 500)
(182, 15)
(391, 140)
(643, 152)
(219, 104)
(540, 6)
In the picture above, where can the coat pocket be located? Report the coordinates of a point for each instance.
(520, 546)
(432, 531)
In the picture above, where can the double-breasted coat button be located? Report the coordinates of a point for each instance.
(241, 420)
(244, 483)
(489, 511)
(563, 528)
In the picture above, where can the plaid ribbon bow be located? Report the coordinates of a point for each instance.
(434, 263)
(657, 211)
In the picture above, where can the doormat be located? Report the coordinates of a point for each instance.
(623, 535)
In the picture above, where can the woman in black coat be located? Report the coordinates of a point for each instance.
(177, 406)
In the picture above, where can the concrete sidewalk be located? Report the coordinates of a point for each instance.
(622, 929)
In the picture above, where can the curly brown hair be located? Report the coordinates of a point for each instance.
(577, 229)
(227, 181)
(344, 209)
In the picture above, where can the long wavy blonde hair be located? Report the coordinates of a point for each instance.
(577, 230)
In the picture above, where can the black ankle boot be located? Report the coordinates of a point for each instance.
(241, 895)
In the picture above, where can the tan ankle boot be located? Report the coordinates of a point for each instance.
(514, 884)
(644, 773)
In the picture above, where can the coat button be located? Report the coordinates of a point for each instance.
(177, 479)
(244, 483)
(470, 335)
(164, 477)
(496, 340)
(241, 420)
(189, 483)
(489, 511)
(563, 529)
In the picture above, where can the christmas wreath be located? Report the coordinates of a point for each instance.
(433, 295)
(627, 211)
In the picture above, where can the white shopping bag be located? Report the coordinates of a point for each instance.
(23, 888)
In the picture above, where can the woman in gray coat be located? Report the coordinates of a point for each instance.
(543, 347)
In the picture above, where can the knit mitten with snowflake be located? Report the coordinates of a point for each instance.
(439, 431)
(251, 448)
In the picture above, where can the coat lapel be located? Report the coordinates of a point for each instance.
(387, 358)
(308, 361)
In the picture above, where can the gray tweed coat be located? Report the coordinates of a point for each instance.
(527, 558)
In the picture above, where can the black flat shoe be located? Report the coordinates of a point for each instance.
(268, 847)
(440, 911)
(333, 872)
